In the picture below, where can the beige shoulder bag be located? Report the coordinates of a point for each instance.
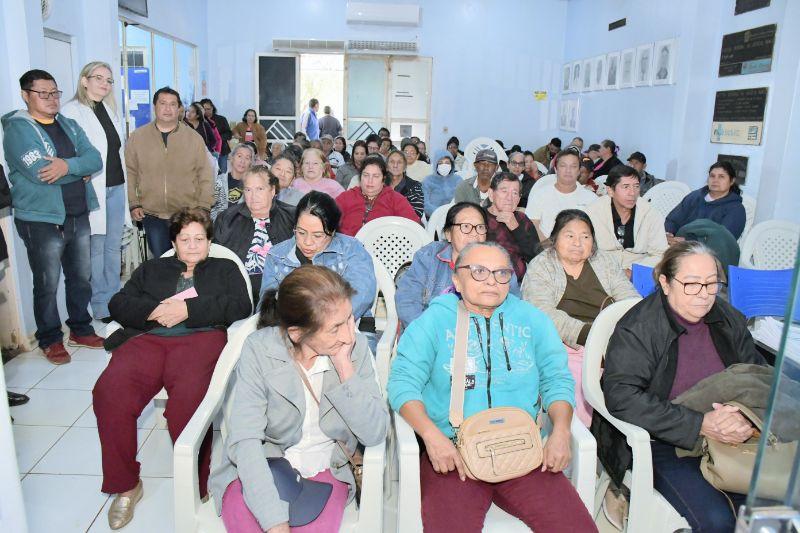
(497, 444)
(729, 467)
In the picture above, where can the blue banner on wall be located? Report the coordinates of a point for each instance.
(138, 102)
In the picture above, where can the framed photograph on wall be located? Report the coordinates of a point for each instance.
(575, 84)
(599, 71)
(586, 75)
(569, 115)
(644, 64)
(627, 60)
(566, 76)
(563, 114)
(612, 70)
(664, 62)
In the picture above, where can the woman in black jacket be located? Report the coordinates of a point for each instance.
(251, 228)
(667, 343)
(174, 313)
(608, 158)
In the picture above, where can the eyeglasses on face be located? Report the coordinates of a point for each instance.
(100, 79)
(467, 228)
(316, 236)
(481, 273)
(45, 95)
(693, 288)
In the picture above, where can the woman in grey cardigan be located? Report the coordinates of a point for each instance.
(306, 327)
(572, 282)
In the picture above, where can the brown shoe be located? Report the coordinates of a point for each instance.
(86, 341)
(56, 354)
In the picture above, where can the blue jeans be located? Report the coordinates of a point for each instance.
(52, 247)
(680, 481)
(223, 163)
(157, 231)
(107, 253)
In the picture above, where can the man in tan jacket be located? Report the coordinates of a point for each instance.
(168, 169)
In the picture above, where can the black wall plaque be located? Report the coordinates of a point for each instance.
(276, 86)
(743, 6)
(617, 24)
(747, 52)
(739, 162)
(742, 105)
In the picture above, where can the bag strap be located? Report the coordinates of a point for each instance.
(459, 367)
(350, 458)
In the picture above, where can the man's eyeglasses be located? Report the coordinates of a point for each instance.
(693, 288)
(100, 79)
(467, 228)
(44, 95)
(481, 273)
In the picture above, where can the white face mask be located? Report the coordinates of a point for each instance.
(443, 169)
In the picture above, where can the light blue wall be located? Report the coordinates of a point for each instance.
(488, 58)
(672, 124)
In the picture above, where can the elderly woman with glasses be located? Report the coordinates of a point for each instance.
(666, 344)
(572, 282)
(317, 242)
(431, 271)
(514, 359)
(509, 227)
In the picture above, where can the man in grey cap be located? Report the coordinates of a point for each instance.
(476, 189)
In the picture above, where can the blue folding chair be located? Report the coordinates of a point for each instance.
(761, 292)
(642, 278)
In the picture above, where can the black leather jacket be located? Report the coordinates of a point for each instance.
(640, 366)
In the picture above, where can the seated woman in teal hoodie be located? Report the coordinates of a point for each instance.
(515, 358)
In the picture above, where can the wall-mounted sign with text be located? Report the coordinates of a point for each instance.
(739, 116)
(747, 52)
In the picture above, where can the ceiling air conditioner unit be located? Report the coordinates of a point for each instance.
(383, 14)
(392, 48)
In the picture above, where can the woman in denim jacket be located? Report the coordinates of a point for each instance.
(317, 242)
(431, 272)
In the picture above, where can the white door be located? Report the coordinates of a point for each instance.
(58, 62)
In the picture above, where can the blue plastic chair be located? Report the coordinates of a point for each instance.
(759, 293)
(642, 278)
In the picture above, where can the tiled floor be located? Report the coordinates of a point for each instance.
(58, 450)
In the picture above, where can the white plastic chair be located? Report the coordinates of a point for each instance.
(389, 329)
(192, 515)
(219, 251)
(393, 241)
(649, 511)
(601, 180)
(473, 147)
(666, 195)
(409, 509)
(436, 223)
(770, 245)
(749, 203)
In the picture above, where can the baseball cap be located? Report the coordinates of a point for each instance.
(638, 156)
(306, 498)
(486, 154)
(327, 136)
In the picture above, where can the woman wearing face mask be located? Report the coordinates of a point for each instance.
(439, 187)
(431, 271)
(351, 169)
(411, 189)
(507, 226)
(371, 199)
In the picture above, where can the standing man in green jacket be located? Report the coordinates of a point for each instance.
(50, 160)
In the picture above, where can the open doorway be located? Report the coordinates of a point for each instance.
(322, 77)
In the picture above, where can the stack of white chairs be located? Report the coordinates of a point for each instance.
(649, 511)
(749, 203)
